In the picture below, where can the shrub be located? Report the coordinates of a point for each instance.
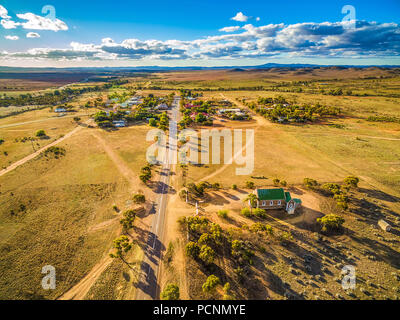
(246, 212)
(310, 183)
(332, 188)
(276, 182)
(192, 249)
(139, 198)
(234, 187)
(170, 292)
(249, 184)
(211, 283)
(283, 183)
(331, 222)
(352, 181)
(40, 133)
(342, 201)
(205, 238)
(257, 227)
(260, 213)
(223, 214)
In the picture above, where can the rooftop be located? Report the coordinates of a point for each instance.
(271, 194)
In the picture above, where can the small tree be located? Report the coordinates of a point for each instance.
(211, 283)
(310, 183)
(128, 219)
(234, 187)
(252, 199)
(170, 292)
(192, 249)
(40, 133)
(352, 181)
(276, 182)
(207, 254)
(283, 183)
(122, 246)
(77, 119)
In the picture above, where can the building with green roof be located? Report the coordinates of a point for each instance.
(276, 198)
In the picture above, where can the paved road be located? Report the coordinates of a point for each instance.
(148, 287)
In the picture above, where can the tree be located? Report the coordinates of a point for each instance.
(283, 183)
(330, 222)
(40, 133)
(207, 254)
(128, 219)
(192, 249)
(139, 198)
(77, 119)
(170, 292)
(352, 181)
(234, 187)
(252, 199)
(122, 246)
(276, 182)
(211, 283)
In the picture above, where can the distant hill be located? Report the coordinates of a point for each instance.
(161, 68)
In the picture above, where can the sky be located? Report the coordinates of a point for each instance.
(73, 33)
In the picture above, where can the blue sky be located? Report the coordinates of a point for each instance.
(266, 31)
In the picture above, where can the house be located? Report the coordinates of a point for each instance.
(60, 109)
(384, 225)
(119, 123)
(276, 199)
(162, 106)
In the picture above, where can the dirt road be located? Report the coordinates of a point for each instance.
(35, 154)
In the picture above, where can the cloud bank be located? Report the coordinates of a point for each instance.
(327, 39)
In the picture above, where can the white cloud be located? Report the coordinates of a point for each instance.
(35, 22)
(327, 39)
(229, 29)
(4, 13)
(258, 19)
(240, 17)
(32, 35)
(9, 24)
(12, 38)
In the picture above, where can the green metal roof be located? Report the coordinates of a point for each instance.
(288, 197)
(297, 200)
(271, 194)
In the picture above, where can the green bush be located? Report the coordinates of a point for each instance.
(234, 187)
(249, 184)
(139, 198)
(211, 283)
(246, 212)
(192, 249)
(352, 181)
(223, 214)
(331, 222)
(260, 213)
(40, 133)
(170, 292)
(207, 254)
